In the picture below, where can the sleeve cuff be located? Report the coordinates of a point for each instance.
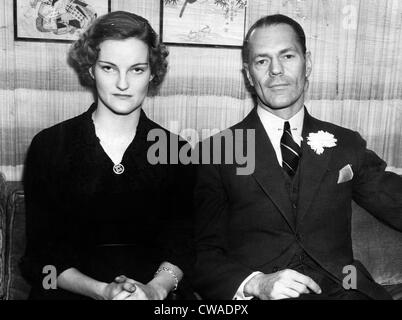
(240, 291)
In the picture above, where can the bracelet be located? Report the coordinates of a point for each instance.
(170, 271)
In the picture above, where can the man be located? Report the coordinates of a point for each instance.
(284, 231)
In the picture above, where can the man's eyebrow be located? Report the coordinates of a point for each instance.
(261, 55)
(265, 55)
(287, 50)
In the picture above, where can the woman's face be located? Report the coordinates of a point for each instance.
(122, 74)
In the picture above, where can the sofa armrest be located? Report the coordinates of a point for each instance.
(3, 196)
(16, 287)
(379, 248)
(395, 291)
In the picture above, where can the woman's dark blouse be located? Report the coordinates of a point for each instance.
(81, 214)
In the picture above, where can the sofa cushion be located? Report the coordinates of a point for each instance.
(16, 286)
(3, 195)
(377, 246)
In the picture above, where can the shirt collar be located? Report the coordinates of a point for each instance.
(274, 124)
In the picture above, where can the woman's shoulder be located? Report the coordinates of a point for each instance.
(150, 125)
(60, 133)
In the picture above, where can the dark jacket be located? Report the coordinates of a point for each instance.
(81, 214)
(247, 223)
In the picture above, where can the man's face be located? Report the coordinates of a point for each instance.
(277, 67)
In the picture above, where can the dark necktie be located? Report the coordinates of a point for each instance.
(291, 152)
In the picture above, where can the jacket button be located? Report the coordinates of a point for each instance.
(275, 269)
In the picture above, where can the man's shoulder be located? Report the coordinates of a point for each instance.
(342, 134)
(247, 123)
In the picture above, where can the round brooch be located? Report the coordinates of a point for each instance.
(118, 168)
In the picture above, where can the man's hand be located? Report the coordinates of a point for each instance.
(283, 284)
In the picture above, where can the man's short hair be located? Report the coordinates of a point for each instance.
(272, 20)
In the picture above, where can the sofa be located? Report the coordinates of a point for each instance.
(377, 246)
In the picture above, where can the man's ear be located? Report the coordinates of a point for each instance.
(151, 77)
(309, 64)
(248, 75)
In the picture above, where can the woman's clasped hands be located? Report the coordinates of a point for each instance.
(123, 288)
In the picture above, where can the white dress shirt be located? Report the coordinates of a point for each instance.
(273, 126)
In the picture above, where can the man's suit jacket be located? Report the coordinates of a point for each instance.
(247, 223)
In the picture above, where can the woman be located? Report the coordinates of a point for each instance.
(111, 224)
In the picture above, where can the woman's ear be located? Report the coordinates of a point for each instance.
(91, 73)
(151, 77)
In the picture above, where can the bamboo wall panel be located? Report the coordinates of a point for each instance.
(355, 82)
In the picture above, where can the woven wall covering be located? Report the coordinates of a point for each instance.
(356, 82)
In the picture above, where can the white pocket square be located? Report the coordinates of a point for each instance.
(345, 174)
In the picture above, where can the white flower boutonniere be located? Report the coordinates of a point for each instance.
(320, 140)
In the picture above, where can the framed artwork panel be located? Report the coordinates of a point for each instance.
(216, 23)
(55, 20)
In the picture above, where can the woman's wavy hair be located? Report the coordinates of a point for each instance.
(117, 25)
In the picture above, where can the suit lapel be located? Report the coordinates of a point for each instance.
(268, 173)
(312, 167)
